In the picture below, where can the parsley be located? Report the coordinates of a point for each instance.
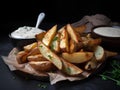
(68, 70)
(41, 85)
(40, 46)
(55, 38)
(50, 57)
(113, 74)
(52, 46)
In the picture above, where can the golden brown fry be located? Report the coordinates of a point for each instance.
(30, 46)
(49, 35)
(55, 44)
(80, 29)
(49, 55)
(37, 57)
(77, 57)
(70, 69)
(22, 57)
(99, 53)
(72, 33)
(40, 36)
(73, 46)
(34, 51)
(42, 66)
(64, 43)
(92, 64)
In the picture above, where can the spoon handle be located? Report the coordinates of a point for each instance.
(40, 18)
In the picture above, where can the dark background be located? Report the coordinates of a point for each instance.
(16, 13)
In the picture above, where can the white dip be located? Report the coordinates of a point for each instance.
(26, 32)
(108, 31)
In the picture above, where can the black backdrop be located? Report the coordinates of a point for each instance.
(17, 13)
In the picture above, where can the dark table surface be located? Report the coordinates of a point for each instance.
(14, 81)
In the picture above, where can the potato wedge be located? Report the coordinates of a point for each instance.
(80, 29)
(110, 53)
(42, 66)
(70, 69)
(99, 53)
(72, 33)
(73, 46)
(30, 46)
(49, 35)
(40, 36)
(55, 44)
(21, 57)
(48, 54)
(34, 51)
(37, 57)
(92, 64)
(77, 57)
(64, 43)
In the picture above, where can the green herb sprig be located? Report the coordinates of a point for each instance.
(113, 74)
(41, 85)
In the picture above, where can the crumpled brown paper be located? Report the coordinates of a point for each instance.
(12, 63)
(93, 21)
(54, 77)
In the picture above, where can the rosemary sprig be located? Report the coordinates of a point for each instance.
(113, 74)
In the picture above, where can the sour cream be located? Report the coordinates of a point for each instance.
(108, 31)
(26, 32)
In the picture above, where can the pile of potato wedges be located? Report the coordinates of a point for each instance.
(68, 50)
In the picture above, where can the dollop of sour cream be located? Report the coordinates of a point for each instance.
(108, 31)
(26, 32)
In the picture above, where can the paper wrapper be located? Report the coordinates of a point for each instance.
(93, 21)
(55, 77)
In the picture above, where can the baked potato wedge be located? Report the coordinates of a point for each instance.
(29, 47)
(77, 57)
(80, 29)
(37, 57)
(42, 66)
(49, 55)
(72, 33)
(73, 46)
(34, 51)
(70, 69)
(64, 43)
(40, 36)
(49, 35)
(92, 64)
(99, 53)
(21, 57)
(55, 44)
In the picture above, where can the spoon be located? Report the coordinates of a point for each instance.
(41, 16)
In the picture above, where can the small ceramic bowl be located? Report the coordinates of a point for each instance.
(23, 36)
(110, 37)
(19, 43)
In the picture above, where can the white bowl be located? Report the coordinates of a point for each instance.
(110, 37)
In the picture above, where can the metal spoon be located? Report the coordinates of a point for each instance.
(41, 16)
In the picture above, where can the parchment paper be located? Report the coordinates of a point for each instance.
(55, 77)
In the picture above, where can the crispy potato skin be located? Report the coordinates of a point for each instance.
(37, 57)
(22, 57)
(49, 55)
(49, 35)
(42, 66)
(77, 57)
